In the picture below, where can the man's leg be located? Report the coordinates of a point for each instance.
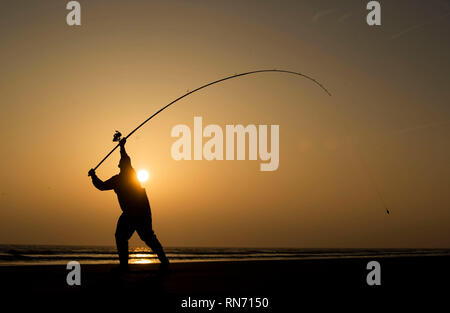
(147, 235)
(124, 231)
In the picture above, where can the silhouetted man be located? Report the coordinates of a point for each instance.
(136, 214)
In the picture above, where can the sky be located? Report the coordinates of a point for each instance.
(381, 139)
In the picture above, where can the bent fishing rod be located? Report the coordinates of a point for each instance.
(118, 135)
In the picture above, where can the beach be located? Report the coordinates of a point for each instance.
(284, 283)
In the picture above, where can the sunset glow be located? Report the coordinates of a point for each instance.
(384, 131)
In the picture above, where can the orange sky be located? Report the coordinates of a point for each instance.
(64, 90)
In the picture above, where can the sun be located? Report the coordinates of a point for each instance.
(142, 175)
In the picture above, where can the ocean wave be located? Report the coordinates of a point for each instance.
(39, 254)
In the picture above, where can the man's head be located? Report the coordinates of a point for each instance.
(124, 163)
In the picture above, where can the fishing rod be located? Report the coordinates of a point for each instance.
(117, 135)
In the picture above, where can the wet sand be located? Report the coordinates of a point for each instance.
(286, 284)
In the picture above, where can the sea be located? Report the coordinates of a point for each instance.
(46, 254)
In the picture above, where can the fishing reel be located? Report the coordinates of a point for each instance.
(117, 136)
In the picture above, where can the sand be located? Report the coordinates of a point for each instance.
(285, 284)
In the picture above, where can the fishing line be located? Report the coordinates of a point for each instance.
(372, 179)
(364, 164)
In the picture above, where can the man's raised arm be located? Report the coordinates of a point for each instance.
(123, 153)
